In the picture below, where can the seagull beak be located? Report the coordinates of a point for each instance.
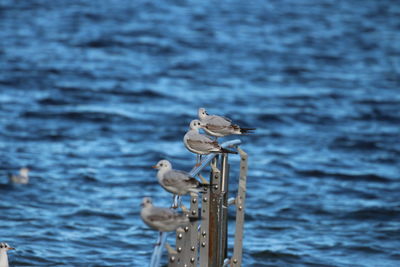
(10, 248)
(154, 167)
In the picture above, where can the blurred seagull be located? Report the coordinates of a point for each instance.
(21, 178)
(163, 219)
(4, 247)
(201, 144)
(177, 182)
(219, 126)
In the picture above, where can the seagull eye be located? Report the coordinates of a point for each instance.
(161, 164)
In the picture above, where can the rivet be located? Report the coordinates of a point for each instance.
(172, 259)
(193, 212)
(192, 260)
(205, 199)
(203, 244)
(179, 249)
(192, 248)
(216, 176)
(216, 186)
(204, 233)
(194, 200)
(235, 260)
(185, 265)
(180, 236)
(240, 207)
(186, 228)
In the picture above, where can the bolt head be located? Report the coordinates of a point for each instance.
(194, 200)
(192, 260)
(180, 236)
(203, 244)
(172, 259)
(235, 260)
(186, 228)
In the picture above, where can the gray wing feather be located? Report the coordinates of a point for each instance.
(203, 145)
(218, 120)
(160, 214)
(175, 177)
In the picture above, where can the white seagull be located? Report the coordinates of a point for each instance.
(21, 178)
(162, 219)
(175, 181)
(4, 247)
(219, 126)
(199, 143)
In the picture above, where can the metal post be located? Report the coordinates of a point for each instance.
(224, 207)
(172, 261)
(180, 242)
(214, 219)
(240, 201)
(212, 237)
(204, 229)
(193, 231)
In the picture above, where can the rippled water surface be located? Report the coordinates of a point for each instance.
(92, 93)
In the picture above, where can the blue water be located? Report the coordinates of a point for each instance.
(92, 93)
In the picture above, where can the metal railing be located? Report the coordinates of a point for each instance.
(207, 244)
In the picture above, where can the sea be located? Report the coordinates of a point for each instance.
(93, 93)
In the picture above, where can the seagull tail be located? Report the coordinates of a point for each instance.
(193, 219)
(204, 187)
(247, 130)
(224, 150)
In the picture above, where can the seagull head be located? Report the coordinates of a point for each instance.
(24, 171)
(163, 165)
(202, 113)
(196, 124)
(5, 247)
(146, 202)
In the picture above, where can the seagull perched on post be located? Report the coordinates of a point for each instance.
(199, 143)
(219, 126)
(163, 219)
(4, 247)
(177, 182)
(21, 178)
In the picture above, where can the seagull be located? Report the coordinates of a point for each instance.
(163, 219)
(219, 126)
(201, 144)
(21, 178)
(177, 182)
(4, 247)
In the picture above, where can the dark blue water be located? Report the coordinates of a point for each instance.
(92, 93)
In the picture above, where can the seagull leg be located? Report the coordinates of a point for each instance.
(198, 159)
(179, 201)
(158, 240)
(175, 199)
